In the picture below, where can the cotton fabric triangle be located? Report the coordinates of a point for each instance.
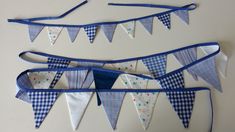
(129, 66)
(42, 102)
(41, 80)
(208, 72)
(91, 32)
(76, 78)
(23, 81)
(54, 33)
(73, 32)
(112, 102)
(34, 31)
(186, 57)
(129, 28)
(183, 15)
(165, 19)
(109, 30)
(148, 24)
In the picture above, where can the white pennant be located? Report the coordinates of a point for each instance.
(41, 79)
(129, 28)
(53, 33)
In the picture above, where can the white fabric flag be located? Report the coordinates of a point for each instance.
(129, 28)
(53, 33)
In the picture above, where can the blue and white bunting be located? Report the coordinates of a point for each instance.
(109, 30)
(54, 33)
(129, 28)
(23, 81)
(91, 32)
(34, 31)
(186, 57)
(42, 102)
(183, 15)
(208, 72)
(165, 19)
(73, 32)
(112, 102)
(76, 78)
(156, 65)
(148, 24)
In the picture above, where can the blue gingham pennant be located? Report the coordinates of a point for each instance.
(57, 63)
(104, 80)
(42, 102)
(148, 24)
(109, 30)
(73, 32)
(208, 72)
(182, 101)
(186, 57)
(112, 102)
(34, 31)
(183, 15)
(23, 81)
(156, 65)
(91, 32)
(165, 19)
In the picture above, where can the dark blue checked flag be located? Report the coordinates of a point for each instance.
(34, 31)
(91, 32)
(25, 82)
(73, 32)
(182, 101)
(165, 19)
(148, 24)
(109, 30)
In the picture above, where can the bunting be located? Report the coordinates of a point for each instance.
(23, 81)
(186, 57)
(183, 15)
(91, 32)
(129, 28)
(41, 79)
(73, 32)
(112, 102)
(165, 19)
(34, 31)
(76, 78)
(128, 66)
(147, 23)
(54, 33)
(109, 31)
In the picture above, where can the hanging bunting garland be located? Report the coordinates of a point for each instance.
(107, 27)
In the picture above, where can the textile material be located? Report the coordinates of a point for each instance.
(128, 66)
(42, 102)
(76, 78)
(182, 101)
(73, 32)
(104, 80)
(208, 72)
(165, 19)
(183, 15)
(156, 65)
(186, 57)
(34, 31)
(112, 102)
(109, 30)
(91, 32)
(41, 80)
(54, 33)
(25, 82)
(148, 24)
(57, 63)
(129, 28)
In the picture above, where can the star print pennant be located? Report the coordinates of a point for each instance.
(129, 28)
(73, 32)
(34, 31)
(54, 33)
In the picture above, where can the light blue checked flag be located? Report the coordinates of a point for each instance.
(148, 24)
(156, 65)
(34, 31)
(73, 32)
(109, 30)
(23, 81)
(183, 15)
(91, 32)
(186, 57)
(182, 101)
(165, 19)
(208, 72)
(112, 102)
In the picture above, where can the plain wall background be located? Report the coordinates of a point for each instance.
(212, 21)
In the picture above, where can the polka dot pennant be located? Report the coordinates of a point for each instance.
(53, 33)
(41, 80)
(129, 28)
(129, 66)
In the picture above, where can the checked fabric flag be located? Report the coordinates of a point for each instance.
(23, 81)
(34, 31)
(165, 19)
(91, 32)
(182, 101)
(54, 33)
(129, 28)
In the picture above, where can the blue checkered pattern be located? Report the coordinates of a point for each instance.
(165, 19)
(23, 81)
(57, 63)
(42, 103)
(91, 32)
(156, 65)
(182, 101)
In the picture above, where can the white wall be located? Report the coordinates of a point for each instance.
(212, 21)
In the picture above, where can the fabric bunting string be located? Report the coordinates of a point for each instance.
(35, 85)
(108, 28)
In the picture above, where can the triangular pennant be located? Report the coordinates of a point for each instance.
(41, 80)
(91, 32)
(182, 101)
(42, 102)
(73, 32)
(57, 63)
(112, 102)
(128, 66)
(34, 31)
(165, 19)
(129, 28)
(109, 30)
(53, 33)
(208, 72)
(186, 57)
(23, 81)
(104, 80)
(76, 78)
(156, 65)
(148, 24)
(144, 102)
(183, 15)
